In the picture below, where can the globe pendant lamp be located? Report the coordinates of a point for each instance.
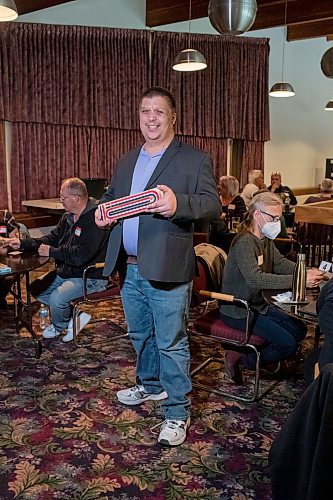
(8, 10)
(282, 88)
(189, 59)
(232, 17)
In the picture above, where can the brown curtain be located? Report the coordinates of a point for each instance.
(71, 93)
(229, 99)
(3, 177)
(252, 158)
(44, 155)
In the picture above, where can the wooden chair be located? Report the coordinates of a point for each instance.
(109, 293)
(211, 327)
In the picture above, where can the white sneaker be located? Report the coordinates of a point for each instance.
(50, 332)
(138, 394)
(82, 320)
(173, 432)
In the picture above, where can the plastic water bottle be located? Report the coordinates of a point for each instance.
(287, 203)
(43, 317)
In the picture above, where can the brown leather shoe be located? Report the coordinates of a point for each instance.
(232, 368)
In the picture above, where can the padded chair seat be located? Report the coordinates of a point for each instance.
(110, 291)
(211, 325)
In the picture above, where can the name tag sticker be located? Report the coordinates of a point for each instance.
(260, 260)
(3, 229)
(78, 231)
(325, 266)
(231, 207)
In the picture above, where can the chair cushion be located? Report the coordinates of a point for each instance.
(210, 324)
(109, 292)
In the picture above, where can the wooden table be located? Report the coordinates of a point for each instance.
(21, 265)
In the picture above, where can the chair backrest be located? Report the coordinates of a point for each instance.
(210, 265)
(316, 241)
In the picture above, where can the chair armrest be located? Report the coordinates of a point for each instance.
(98, 265)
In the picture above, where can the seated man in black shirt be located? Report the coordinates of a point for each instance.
(277, 188)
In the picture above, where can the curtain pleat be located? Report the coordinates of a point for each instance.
(252, 158)
(3, 176)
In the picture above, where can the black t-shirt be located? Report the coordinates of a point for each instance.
(7, 223)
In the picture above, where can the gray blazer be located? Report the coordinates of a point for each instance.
(165, 246)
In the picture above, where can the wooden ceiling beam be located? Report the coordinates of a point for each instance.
(310, 30)
(25, 6)
(271, 13)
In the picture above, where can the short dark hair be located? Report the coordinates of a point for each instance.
(160, 91)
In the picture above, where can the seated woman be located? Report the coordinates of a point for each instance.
(233, 205)
(254, 264)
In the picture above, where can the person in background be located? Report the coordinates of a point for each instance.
(325, 322)
(74, 243)
(277, 188)
(154, 253)
(9, 228)
(326, 190)
(254, 264)
(256, 181)
(233, 205)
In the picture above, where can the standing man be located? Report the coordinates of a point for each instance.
(156, 253)
(277, 188)
(256, 182)
(74, 243)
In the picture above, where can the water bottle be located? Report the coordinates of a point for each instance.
(287, 203)
(43, 317)
(299, 279)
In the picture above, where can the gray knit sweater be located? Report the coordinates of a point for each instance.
(254, 265)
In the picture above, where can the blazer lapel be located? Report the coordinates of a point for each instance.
(171, 151)
(128, 171)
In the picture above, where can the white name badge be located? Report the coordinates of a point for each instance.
(78, 231)
(3, 229)
(231, 207)
(325, 266)
(260, 260)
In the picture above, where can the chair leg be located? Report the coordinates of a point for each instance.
(76, 312)
(255, 394)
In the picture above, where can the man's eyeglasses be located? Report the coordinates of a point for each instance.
(63, 198)
(275, 218)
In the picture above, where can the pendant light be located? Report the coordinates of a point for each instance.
(8, 10)
(189, 59)
(282, 88)
(329, 106)
(232, 17)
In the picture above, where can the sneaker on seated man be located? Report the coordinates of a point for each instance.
(74, 243)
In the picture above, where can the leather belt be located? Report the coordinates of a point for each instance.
(131, 259)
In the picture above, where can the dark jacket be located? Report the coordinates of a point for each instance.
(7, 223)
(286, 190)
(75, 245)
(165, 245)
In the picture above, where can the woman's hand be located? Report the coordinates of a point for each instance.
(313, 277)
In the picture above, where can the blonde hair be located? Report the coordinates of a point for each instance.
(326, 186)
(259, 202)
(230, 183)
(254, 174)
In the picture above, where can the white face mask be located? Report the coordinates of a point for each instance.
(271, 229)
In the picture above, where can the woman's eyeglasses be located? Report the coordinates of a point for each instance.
(275, 218)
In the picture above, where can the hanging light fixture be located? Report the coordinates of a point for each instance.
(329, 105)
(232, 17)
(189, 59)
(283, 89)
(8, 10)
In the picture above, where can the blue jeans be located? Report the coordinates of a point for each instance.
(282, 333)
(57, 293)
(157, 317)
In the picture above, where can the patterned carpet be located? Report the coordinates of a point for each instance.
(63, 435)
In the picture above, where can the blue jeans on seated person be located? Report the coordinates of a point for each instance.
(282, 333)
(157, 317)
(57, 293)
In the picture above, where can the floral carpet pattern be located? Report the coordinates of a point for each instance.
(64, 435)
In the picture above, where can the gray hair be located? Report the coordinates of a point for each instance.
(326, 186)
(230, 183)
(76, 186)
(253, 175)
